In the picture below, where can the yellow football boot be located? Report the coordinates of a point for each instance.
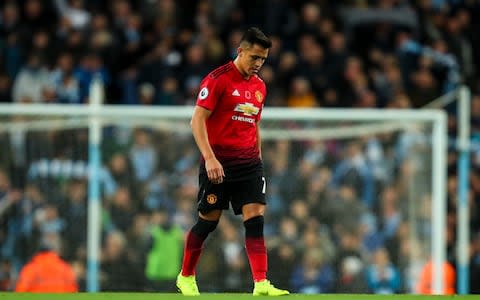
(187, 285)
(265, 288)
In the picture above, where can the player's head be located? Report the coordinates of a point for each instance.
(252, 52)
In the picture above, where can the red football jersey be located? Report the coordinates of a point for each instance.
(236, 104)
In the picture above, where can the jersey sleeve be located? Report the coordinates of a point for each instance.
(211, 88)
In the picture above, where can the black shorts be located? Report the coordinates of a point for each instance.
(219, 196)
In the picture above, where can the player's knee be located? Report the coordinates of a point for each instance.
(254, 227)
(203, 227)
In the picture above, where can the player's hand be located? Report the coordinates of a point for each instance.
(214, 170)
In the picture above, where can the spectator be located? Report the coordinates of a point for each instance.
(353, 81)
(475, 265)
(48, 221)
(424, 285)
(196, 64)
(74, 209)
(351, 279)
(5, 88)
(74, 11)
(47, 272)
(119, 174)
(143, 156)
(66, 86)
(382, 276)
(168, 93)
(390, 214)
(42, 43)
(121, 271)
(282, 261)
(122, 209)
(233, 256)
(10, 219)
(157, 194)
(312, 64)
(165, 256)
(36, 15)
(10, 19)
(301, 94)
(344, 210)
(32, 81)
(74, 42)
(6, 276)
(355, 171)
(314, 275)
(91, 65)
(146, 94)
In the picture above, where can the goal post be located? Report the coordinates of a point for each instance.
(461, 96)
(309, 125)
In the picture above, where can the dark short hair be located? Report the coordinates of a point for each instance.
(253, 35)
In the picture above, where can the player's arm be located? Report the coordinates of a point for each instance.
(259, 140)
(199, 130)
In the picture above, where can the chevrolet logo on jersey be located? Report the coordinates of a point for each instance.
(247, 109)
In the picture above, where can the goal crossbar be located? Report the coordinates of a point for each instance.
(182, 112)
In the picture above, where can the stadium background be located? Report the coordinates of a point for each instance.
(155, 53)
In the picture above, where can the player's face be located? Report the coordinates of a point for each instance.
(252, 59)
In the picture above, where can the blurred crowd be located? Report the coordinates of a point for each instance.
(349, 54)
(338, 210)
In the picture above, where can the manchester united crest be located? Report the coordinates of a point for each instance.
(259, 96)
(212, 199)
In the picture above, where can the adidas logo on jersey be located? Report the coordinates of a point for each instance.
(235, 93)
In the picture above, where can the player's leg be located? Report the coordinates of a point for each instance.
(253, 210)
(210, 205)
(254, 242)
(257, 251)
(206, 223)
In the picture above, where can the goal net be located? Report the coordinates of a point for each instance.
(355, 197)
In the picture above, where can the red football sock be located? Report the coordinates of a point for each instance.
(191, 253)
(257, 255)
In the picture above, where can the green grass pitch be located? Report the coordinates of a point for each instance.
(206, 296)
